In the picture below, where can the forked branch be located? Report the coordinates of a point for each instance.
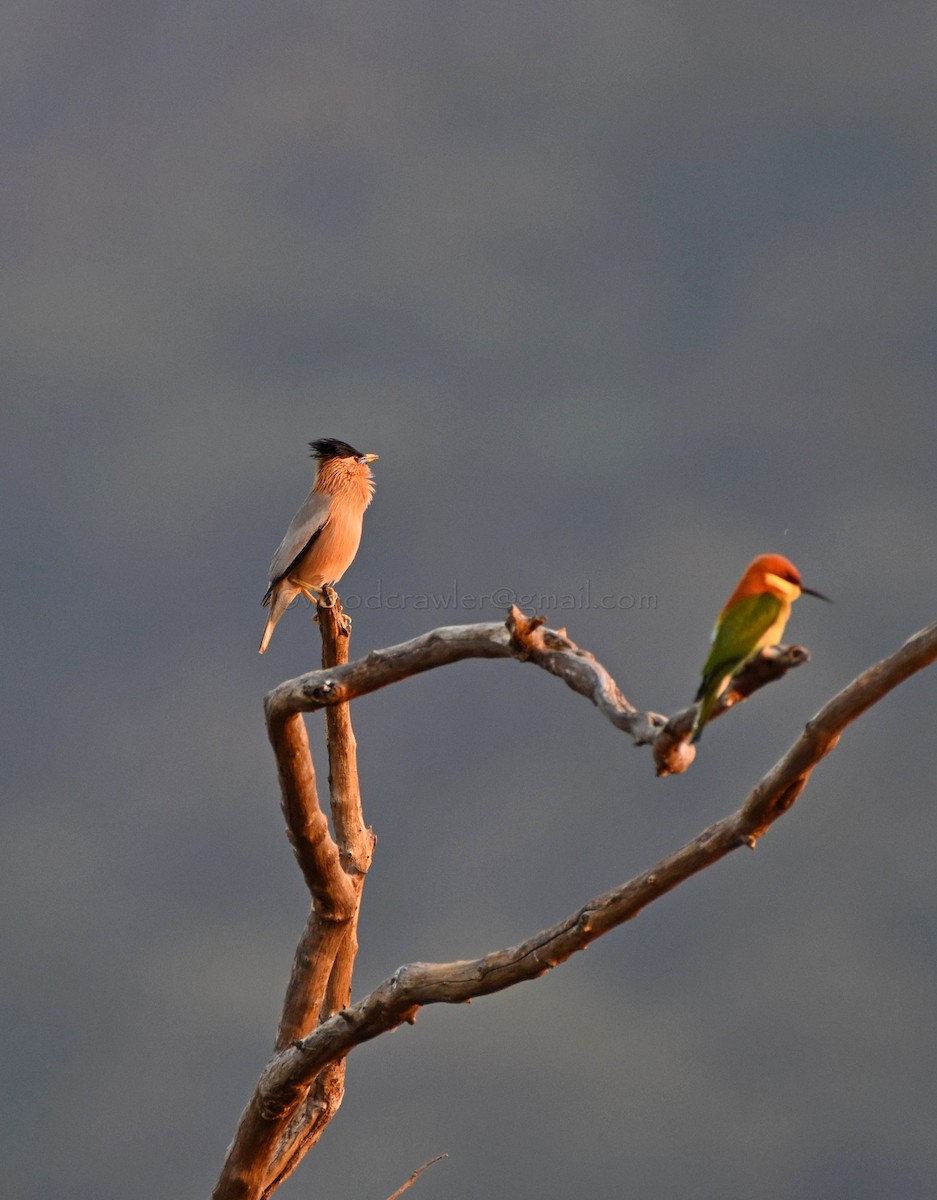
(297, 1070)
(272, 1139)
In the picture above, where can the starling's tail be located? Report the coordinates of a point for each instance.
(268, 634)
(279, 596)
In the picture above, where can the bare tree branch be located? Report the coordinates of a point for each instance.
(300, 1088)
(528, 640)
(398, 999)
(271, 1139)
(355, 843)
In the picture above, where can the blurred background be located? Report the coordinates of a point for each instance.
(622, 294)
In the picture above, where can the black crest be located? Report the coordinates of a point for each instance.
(326, 448)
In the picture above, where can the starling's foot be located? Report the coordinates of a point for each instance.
(314, 597)
(330, 599)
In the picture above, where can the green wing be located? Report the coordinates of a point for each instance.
(735, 639)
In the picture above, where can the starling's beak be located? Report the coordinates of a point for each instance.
(819, 595)
(368, 458)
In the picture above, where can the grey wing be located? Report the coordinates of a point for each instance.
(303, 528)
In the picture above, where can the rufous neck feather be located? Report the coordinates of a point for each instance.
(347, 478)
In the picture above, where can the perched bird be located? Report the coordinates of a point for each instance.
(754, 617)
(323, 537)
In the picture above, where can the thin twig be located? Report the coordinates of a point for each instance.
(416, 1175)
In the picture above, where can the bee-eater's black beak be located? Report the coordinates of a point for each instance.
(819, 595)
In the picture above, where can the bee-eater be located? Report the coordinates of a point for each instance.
(324, 535)
(754, 617)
